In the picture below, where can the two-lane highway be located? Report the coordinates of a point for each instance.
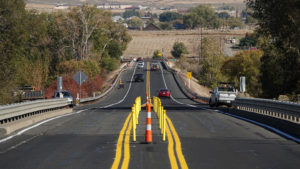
(97, 134)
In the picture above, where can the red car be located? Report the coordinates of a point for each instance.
(139, 59)
(164, 93)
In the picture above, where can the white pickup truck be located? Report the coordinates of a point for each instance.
(224, 94)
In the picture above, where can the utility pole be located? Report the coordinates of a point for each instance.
(200, 56)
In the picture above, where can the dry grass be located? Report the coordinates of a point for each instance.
(144, 43)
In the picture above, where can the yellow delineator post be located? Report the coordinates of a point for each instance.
(137, 108)
(161, 119)
(135, 111)
(161, 114)
(164, 125)
(133, 123)
(155, 102)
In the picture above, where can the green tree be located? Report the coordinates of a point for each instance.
(248, 14)
(235, 23)
(179, 50)
(34, 45)
(130, 13)
(11, 45)
(211, 63)
(135, 22)
(203, 16)
(169, 16)
(279, 23)
(166, 25)
(246, 63)
(249, 40)
(224, 15)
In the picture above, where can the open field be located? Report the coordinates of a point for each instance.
(144, 43)
(178, 4)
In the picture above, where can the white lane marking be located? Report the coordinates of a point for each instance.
(38, 124)
(262, 125)
(125, 94)
(171, 94)
(19, 144)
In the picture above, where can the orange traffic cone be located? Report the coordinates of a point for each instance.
(148, 136)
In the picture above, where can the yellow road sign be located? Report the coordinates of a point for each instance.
(159, 54)
(189, 75)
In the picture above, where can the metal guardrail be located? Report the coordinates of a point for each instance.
(283, 110)
(123, 67)
(15, 111)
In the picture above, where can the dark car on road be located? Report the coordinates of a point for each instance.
(64, 94)
(154, 66)
(139, 77)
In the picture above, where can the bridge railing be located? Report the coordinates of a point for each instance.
(283, 110)
(17, 111)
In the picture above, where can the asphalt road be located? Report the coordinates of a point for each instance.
(89, 137)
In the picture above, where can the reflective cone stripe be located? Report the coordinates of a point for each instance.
(148, 135)
(147, 99)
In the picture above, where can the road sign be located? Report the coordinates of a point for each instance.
(80, 77)
(159, 54)
(59, 83)
(189, 75)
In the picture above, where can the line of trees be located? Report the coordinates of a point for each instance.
(205, 17)
(37, 47)
(213, 67)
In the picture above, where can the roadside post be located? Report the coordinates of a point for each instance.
(80, 78)
(59, 86)
(133, 114)
(243, 84)
(164, 126)
(189, 76)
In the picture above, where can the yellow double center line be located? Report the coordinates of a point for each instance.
(148, 79)
(170, 127)
(126, 155)
(171, 132)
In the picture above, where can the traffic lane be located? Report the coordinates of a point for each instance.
(156, 84)
(85, 140)
(177, 94)
(213, 140)
(116, 94)
(137, 89)
(112, 97)
(155, 155)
